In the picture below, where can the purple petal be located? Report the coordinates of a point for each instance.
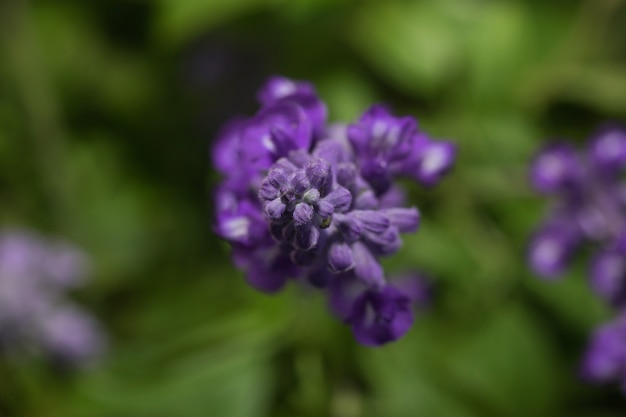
(555, 168)
(226, 150)
(242, 224)
(333, 151)
(306, 237)
(349, 227)
(340, 257)
(325, 209)
(268, 192)
(394, 197)
(608, 276)
(343, 291)
(340, 198)
(405, 219)
(366, 200)
(367, 267)
(275, 209)
(299, 93)
(377, 174)
(302, 214)
(550, 251)
(312, 196)
(300, 182)
(346, 174)
(278, 87)
(318, 173)
(605, 355)
(314, 109)
(385, 243)
(434, 161)
(234, 228)
(373, 221)
(278, 178)
(608, 150)
(381, 316)
(272, 133)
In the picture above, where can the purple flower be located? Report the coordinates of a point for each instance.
(605, 359)
(281, 89)
(35, 274)
(277, 88)
(557, 168)
(381, 316)
(552, 247)
(431, 161)
(608, 151)
(316, 203)
(608, 274)
(71, 335)
(590, 205)
(378, 315)
(590, 210)
(389, 146)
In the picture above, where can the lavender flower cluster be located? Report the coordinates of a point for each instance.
(35, 314)
(318, 203)
(590, 211)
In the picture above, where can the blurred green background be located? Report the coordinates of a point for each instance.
(107, 112)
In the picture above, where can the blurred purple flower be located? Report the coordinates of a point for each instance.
(35, 274)
(304, 200)
(590, 206)
(605, 359)
(590, 210)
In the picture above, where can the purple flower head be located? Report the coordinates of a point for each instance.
(591, 210)
(35, 273)
(316, 203)
(590, 205)
(605, 359)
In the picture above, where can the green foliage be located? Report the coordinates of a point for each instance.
(106, 116)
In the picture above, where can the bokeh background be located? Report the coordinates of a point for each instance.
(108, 109)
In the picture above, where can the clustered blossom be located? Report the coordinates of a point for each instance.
(590, 211)
(318, 203)
(35, 314)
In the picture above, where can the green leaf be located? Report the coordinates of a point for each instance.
(178, 21)
(413, 45)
